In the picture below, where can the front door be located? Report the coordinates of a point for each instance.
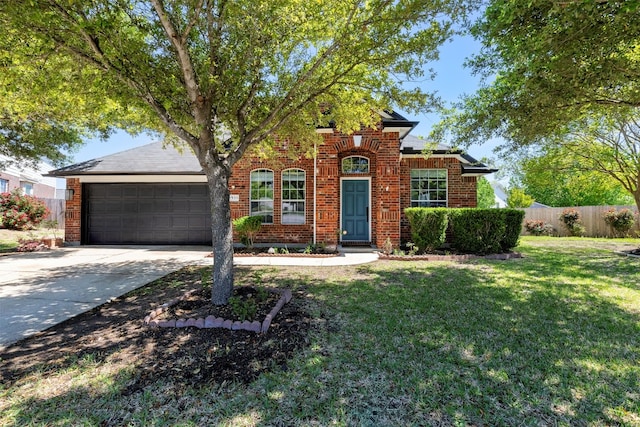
(355, 210)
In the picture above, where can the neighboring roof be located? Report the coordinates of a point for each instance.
(412, 145)
(150, 159)
(15, 168)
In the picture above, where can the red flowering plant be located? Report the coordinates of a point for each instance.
(621, 222)
(21, 212)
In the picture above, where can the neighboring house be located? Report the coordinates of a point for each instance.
(353, 192)
(30, 180)
(502, 196)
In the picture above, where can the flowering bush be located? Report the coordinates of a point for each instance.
(621, 222)
(538, 227)
(572, 222)
(21, 212)
(31, 245)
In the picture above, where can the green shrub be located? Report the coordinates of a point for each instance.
(428, 227)
(478, 231)
(21, 212)
(513, 226)
(247, 228)
(621, 222)
(572, 222)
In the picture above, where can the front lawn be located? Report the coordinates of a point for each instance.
(550, 339)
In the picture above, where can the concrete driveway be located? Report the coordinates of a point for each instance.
(40, 289)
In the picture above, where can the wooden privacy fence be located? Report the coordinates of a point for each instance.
(56, 209)
(592, 219)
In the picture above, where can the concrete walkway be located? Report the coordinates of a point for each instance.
(41, 289)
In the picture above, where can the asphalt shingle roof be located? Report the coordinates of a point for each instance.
(148, 159)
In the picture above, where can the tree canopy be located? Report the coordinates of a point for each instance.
(547, 64)
(554, 176)
(227, 75)
(486, 195)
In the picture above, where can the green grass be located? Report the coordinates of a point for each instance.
(551, 339)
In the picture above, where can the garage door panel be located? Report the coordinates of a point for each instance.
(201, 206)
(146, 214)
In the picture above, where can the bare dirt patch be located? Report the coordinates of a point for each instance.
(116, 331)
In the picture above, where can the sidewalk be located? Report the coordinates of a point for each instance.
(349, 258)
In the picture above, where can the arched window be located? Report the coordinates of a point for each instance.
(293, 196)
(261, 198)
(355, 164)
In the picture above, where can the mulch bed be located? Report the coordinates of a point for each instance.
(116, 331)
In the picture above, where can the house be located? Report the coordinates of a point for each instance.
(31, 180)
(352, 192)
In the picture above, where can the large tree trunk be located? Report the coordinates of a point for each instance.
(222, 231)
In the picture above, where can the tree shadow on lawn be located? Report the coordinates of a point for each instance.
(453, 342)
(538, 352)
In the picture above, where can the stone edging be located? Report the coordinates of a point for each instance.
(216, 322)
(461, 257)
(623, 253)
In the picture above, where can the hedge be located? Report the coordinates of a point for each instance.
(428, 227)
(472, 230)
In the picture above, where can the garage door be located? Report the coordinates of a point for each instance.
(146, 214)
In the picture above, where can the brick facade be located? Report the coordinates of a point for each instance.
(389, 177)
(461, 190)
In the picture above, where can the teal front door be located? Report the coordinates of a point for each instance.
(355, 210)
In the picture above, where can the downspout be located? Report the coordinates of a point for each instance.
(315, 187)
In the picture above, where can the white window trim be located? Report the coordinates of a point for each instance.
(356, 173)
(446, 201)
(273, 192)
(282, 199)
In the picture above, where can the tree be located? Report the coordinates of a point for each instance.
(517, 198)
(554, 176)
(486, 195)
(44, 112)
(608, 145)
(550, 63)
(228, 75)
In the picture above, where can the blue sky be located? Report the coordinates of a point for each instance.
(452, 81)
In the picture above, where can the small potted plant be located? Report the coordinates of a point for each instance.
(55, 241)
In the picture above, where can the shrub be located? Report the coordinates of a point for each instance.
(478, 231)
(21, 212)
(538, 227)
(485, 231)
(621, 222)
(513, 225)
(31, 245)
(247, 228)
(428, 227)
(572, 222)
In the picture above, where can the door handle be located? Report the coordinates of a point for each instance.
(367, 213)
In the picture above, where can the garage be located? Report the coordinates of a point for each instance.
(146, 213)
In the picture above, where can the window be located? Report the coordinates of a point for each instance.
(293, 181)
(4, 186)
(262, 195)
(27, 188)
(429, 188)
(355, 164)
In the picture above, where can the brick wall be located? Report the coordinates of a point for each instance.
(461, 190)
(239, 185)
(73, 213)
(390, 190)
